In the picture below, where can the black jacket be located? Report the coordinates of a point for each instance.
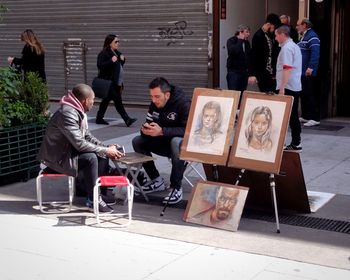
(65, 137)
(260, 53)
(173, 116)
(31, 61)
(238, 56)
(107, 69)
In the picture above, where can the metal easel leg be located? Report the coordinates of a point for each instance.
(167, 202)
(274, 200)
(239, 177)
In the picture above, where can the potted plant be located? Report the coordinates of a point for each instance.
(23, 117)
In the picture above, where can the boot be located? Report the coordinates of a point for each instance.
(100, 120)
(129, 121)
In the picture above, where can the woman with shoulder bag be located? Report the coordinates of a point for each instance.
(33, 55)
(110, 63)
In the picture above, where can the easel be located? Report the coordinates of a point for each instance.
(292, 195)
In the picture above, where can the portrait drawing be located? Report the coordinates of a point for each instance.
(216, 205)
(261, 130)
(209, 129)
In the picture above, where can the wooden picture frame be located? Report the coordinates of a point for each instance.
(209, 128)
(261, 150)
(216, 204)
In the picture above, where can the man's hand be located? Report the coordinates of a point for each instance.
(252, 80)
(113, 153)
(152, 129)
(308, 72)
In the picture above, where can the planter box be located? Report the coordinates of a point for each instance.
(19, 147)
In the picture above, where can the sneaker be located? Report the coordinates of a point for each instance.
(102, 206)
(311, 123)
(302, 120)
(175, 198)
(292, 147)
(110, 200)
(155, 185)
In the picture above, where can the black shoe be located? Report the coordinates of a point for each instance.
(130, 121)
(101, 121)
(292, 147)
(110, 200)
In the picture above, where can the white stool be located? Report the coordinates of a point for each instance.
(114, 181)
(71, 186)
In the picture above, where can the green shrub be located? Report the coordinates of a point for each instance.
(22, 101)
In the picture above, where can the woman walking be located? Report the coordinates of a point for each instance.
(110, 63)
(33, 55)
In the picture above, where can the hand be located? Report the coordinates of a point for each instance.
(114, 58)
(122, 57)
(252, 80)
(113, 153)
(152, 129)
(308, 72)
(281, 91)
(10, 60)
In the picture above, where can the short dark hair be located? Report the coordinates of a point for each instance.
(82, 91)
(284, 29)
(160, 82)
(273, 19)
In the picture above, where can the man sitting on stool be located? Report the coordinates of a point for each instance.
(162, 134)
(68, 146)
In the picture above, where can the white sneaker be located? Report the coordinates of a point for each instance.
(311, 123)
(302, 120)
(155, 185)
(175, 198)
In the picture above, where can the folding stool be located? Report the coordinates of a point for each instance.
(113, 181)
(71, 187)
(190, 167)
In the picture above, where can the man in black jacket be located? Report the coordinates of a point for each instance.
(162, 134)
(238, 50)
(68, 146)
(264, 55)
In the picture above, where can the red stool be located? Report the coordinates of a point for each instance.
(114, 181)
(71, 185)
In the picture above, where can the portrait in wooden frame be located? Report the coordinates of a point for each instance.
(209, 128)
(261, 132)
(216, 204)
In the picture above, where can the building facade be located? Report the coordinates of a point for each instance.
(182, 40)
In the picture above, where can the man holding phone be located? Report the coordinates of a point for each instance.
(162, 134)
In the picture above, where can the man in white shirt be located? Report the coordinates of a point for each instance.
(288, 78)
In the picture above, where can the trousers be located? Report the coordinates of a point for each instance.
(90, 167)
(294, 122)
(167, 147)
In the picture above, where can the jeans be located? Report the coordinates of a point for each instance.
(164, 147)
(294, 122)
(237, 80)
(309, 103)
(90, 167)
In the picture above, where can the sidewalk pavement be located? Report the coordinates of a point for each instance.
(38, 246)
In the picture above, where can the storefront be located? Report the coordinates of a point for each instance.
(184, 40)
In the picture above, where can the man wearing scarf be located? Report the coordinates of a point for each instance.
(69, 148)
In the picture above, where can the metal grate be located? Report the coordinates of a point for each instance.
(293, 220)
(302, 221)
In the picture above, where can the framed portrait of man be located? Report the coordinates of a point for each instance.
(209, 128)
(261, 132)
(216, 205)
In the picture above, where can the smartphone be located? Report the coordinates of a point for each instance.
(121, 149)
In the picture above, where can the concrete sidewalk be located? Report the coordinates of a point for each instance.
(37, 246)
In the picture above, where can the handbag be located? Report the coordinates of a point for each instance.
(101, 87)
